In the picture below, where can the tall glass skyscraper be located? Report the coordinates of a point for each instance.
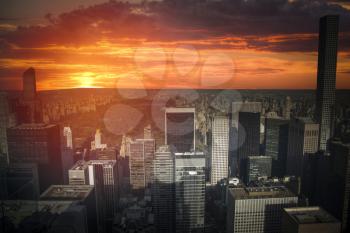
(180, 129)
(326, 77)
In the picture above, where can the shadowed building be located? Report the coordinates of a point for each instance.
(309, 220)
(326, 77)
(180, 129)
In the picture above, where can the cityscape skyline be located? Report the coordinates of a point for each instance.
(184, 151)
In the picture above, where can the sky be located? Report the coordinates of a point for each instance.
(230, 44)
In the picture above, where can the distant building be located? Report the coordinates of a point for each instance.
(40, 144)
(276, 144)
(147, 132)
(303, 139)
(30, 109)
(258, 167)
(309, 220)
(326, 77)
(97, 143)
(180, 129)
(6, 120)
(163, 190)
(219, 149)
(67, 133)
(257, 209)
(190, 192)
(79, 174)
(287, 108)
(140, 163)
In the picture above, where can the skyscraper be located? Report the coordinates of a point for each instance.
(180, 129)
(303, 139)
(67, 133)
(248, 138)
(258, 167)
(219, 149)
(326, 77)
(257, 209)
(79, 174)
(276, 144)
(103, 175)
(39, 144)
(163, 190)
(287, 108)
(190, 192)
(140, 163)
(30, 105)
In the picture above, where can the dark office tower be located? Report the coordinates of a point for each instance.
(180, 129)
(336, 192)
(39, 144)
(326, 77)
(302, 140)
(258, 167)
(276, 144)
(30, 106)
(22, 181)
(103, 175)
(236, 140)
(163, 191)
(308, 220)
(6, 120)
(248, 138)
(141, 159)
(190, 192)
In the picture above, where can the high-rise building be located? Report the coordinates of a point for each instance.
(79, 174)
(276, 144)
(326, 77)
(287, 108)
(180, 129)
(219, 149)
(40, 144)
(5, 122)
(257, 209)
(335, 192)
(248, 138)
(30, 106)
(309, 220)
(82, 195)
(258, 167)
(140, 163)
(67, 133)
(163, 190)
(103, 175)
(190, 192)
(302, 140)
(97, 143)
(147, 132)
(236, 140)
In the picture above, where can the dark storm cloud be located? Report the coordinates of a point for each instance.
(252, 20)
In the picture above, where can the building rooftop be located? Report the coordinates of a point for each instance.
(180, 110)
(33, 126)
(310, 215)
(260, 190)
(67, 192)
(102, 162)
(79, 165)
(305, 120)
